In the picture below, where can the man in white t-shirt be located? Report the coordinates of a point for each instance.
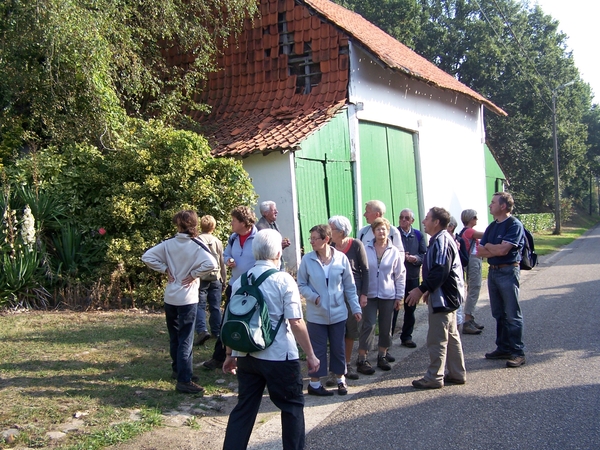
(278, 366)
(373, 210)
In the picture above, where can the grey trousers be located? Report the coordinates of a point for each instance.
(473, 280)
(385, 308)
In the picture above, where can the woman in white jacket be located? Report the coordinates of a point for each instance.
(326, 282)
(387, 276)
(184, 259)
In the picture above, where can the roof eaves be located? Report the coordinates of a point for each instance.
(393, 63)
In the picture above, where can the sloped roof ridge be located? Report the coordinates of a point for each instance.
(393, 53)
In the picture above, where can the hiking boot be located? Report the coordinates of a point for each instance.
(351, 373)
(331, 380)
(409, 343)
(426, 384)
(516, 361)
(201, 338)
(212, 364)
(476, 325)
(320, 391)
(383, 363)
(497, 354)
(450, 380)
(189, 388)
(389, 357)
(364, 368)
(469, 328)
(195, 379)
(342, 388)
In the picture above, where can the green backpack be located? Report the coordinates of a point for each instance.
(246, 324)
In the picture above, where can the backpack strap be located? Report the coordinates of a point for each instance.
(201, 244)
(266, 274)
(418, 234)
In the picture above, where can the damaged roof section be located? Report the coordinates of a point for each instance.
(286, 74)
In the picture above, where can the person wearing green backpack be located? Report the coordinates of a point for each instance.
(278, 366)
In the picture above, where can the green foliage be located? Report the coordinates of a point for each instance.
(537, 222)
(121, 203)
(72, 70)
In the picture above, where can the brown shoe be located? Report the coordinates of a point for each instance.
(426, 384)
(365, 368)
(450, 380)
(351, 372)
(516, 361)
(331, 380)
(201, 338)
(189, 388)
(469, 328)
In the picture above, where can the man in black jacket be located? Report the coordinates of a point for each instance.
(442, 289)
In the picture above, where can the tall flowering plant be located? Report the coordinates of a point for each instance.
(21, 280)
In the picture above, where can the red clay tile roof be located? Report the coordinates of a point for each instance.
(254, 95)
(393, 53)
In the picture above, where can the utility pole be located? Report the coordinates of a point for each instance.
(557, 219)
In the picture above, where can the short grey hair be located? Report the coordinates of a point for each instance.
(407, 210)
(467, 215)
(452, 223)
(266, 205)
(266, 244)
(377, 206)
(341, 223)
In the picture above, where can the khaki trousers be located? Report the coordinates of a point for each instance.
(445, 347)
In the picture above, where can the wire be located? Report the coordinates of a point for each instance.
(536, 90)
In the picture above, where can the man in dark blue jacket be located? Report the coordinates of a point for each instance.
(442, 289)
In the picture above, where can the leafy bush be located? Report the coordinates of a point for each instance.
(537, 222)
(120, 202)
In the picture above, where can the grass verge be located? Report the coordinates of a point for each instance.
(89, 373)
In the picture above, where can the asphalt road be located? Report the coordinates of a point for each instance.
(552, 402)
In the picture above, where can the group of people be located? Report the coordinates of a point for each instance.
(350, 286)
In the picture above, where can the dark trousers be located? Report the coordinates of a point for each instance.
(284, 382)
(180, 323)
(219, 351)
(409, 313)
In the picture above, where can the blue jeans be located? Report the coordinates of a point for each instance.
(284, 382)
(334, 334)
(503, 286)
(209, 291)
(180, 323)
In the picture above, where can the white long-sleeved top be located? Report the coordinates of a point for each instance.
(387, 277)
(182, 257)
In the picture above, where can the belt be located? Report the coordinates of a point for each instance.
(500, 266)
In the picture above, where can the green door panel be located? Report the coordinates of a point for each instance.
(374, 167)
(388, 169)
(312, 197)
(402, 173)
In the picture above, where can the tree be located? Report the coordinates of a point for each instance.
(515, 56)
(72, 70)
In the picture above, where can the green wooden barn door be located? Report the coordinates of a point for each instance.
(388, 169)
(401, 156)
(324, 179)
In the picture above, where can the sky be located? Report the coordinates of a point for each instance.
(577, 19)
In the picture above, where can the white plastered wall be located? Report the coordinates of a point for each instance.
(273, 179)
(450, 132)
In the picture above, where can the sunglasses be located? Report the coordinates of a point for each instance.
(405, 217)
